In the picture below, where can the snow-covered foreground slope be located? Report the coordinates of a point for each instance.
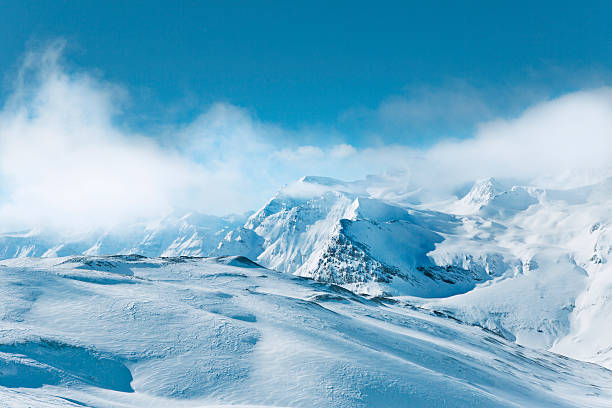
(187, 332)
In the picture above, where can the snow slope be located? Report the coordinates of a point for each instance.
(527, 263)
(557, 245)
(129, 331)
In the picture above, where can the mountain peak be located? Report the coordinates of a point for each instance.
(481, 193)
(323, 181)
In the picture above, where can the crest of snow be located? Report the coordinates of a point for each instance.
(224, 332)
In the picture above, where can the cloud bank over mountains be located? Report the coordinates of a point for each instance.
(66, 162)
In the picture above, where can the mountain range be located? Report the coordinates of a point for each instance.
(526, 263)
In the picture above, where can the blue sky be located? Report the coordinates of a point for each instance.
(112, 111)
(325, 65)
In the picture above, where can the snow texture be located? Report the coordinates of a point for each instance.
(129, 331)
(527, 266)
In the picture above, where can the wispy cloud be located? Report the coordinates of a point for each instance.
(424, 114)
(413, 116)
(65, 163)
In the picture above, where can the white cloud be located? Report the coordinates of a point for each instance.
(301, 153)
(457, 103)
(554, 142)
(559, 143)
(342, 151)
(65, 164)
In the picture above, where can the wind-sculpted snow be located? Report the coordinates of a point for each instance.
(189, 332)
(32, 363)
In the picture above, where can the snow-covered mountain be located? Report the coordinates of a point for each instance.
(185, 233)
(129, 331)
(342, 235)
(555, 246)
(527, 263)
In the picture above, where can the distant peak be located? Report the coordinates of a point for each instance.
(481, 193)
(487, 187)
(323, 181)
(489, 182)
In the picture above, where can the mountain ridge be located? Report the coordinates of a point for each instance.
(527, 262)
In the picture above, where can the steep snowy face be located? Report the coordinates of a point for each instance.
(130, 331)
(292, 229)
